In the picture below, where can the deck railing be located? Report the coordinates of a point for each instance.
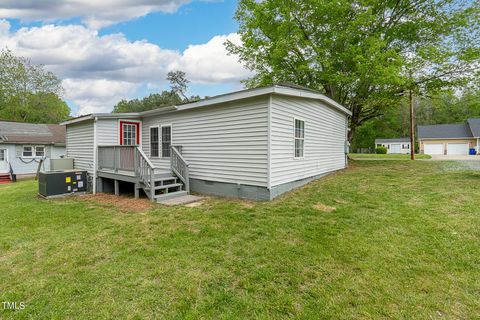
(145, 171)
(179, 166)
(132, 159)
(127, 159)
(116, 158)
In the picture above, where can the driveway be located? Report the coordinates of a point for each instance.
(455, 157)
(458, 162)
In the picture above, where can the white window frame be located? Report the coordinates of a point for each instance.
(161, 139)
(32, 147)
(132, 129)
(159, 144)
(5, 154)
(44, 151)
(295, 138)
(140, 128)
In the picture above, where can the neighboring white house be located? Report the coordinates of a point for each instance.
(395, 145)
(23, 145)
(253, 144)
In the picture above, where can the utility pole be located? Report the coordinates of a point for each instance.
(412, 128)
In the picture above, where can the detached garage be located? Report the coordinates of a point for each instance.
(449, 139)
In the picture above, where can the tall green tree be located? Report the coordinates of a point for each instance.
(28, 92)
(364, 54)
(176, 95)
(154, 100)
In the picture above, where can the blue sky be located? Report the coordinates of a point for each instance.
(104, 56)
(193, 23)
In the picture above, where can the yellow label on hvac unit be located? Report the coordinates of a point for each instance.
(68, 179)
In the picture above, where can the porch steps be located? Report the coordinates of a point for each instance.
(5, 178)
(166, 187)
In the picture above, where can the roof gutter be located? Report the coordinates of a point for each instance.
(97, 116)
(250, 94)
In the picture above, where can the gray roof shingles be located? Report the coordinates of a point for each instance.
(20, 132)
(381, 140)
(444, 131)
(474, 126)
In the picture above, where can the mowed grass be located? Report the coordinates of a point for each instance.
(383, 239)
(387, 156)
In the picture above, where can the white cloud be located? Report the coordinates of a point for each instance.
(94, 13)
(210, 62)
(98, 71)
(94, 96)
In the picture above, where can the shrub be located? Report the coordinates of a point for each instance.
(381, 150)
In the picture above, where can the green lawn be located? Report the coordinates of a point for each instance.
(387, 156)
(383, 239)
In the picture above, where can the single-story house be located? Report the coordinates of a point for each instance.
(23, 145)
(394, 145)
(450, 139)
(253, 144)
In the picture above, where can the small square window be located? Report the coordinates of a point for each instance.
(39, 151)
(27, 151)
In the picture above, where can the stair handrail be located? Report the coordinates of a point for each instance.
(144, 168)
(179, 166)
(10, 172)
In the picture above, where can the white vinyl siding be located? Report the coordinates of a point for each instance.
(225, 143)
(324, 142)
(80, 145)
(107, 132)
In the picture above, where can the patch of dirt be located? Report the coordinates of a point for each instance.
(248, 205)
(194, 204)
(323, 207)
(119, 203)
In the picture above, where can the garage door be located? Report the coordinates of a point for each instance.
(395, 148)
(457, 148)
(435, 148)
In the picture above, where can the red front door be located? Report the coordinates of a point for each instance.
(129, 133)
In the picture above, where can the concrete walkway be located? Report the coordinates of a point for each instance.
(181, 200)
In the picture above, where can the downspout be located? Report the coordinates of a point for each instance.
(269, 143)
(347, 143)
(95, 148)
(478, 150)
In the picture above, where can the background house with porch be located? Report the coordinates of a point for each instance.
(24, 145)
(253, 144)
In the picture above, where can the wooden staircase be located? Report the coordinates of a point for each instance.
(5, 178)
(164, 186)
(159, 184)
